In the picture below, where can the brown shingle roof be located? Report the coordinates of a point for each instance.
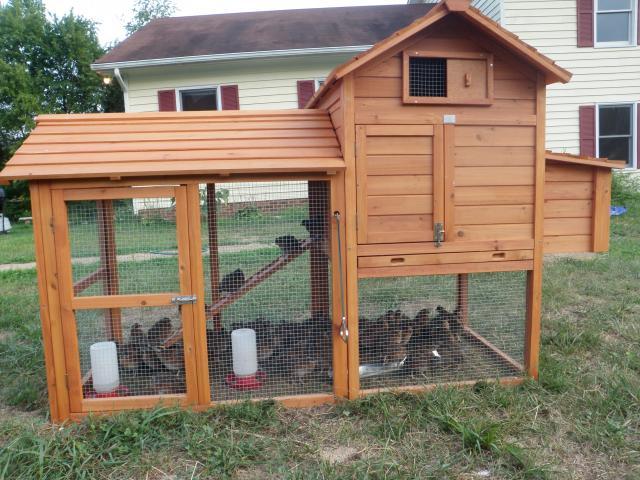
(262, 31)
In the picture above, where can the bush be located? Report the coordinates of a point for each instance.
(625, 189)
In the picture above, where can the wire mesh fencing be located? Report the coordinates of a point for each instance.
(123, 247)
(441, 328)
(141, 363)
(266, 265)
(427, 77)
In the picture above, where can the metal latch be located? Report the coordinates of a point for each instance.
(438, 234)
(183, 299)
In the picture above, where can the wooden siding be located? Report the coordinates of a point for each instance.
(263, 84)
(179, 143)
(576, 208)
(600, 75)
(492, 149)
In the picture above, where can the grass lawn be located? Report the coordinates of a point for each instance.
(580, 421)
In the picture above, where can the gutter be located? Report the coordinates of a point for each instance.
(154, 62)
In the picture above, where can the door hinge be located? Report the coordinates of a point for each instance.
(184, 299)
(438, 234)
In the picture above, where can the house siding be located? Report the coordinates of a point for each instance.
(263, 84)
(491, 8)
(600, 75)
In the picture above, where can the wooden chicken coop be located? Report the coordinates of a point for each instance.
(389, 236)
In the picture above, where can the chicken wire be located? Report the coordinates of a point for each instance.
(427, 77)
(143, 257)
(414, 330)
(265, 247)
(146, 365)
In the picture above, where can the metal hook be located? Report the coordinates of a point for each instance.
(344, 330)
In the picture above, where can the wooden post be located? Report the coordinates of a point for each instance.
(197, 287)
(109, 263)
(463, 297)
(601, 203)
(534, 277)
(319, 263)
(214, 259)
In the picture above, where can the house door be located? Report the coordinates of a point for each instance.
(123, 261)
(399, 183)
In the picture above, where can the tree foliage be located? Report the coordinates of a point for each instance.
(44, 68)
(146, 10)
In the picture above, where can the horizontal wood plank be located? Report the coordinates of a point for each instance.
(444, 258)
(495, 214)
(448, 269)
(399, 204)
(495, 195)
(400, 185)
(567, 226)
(494, 176)
(446, 247)
(399, 164)
(494, 156)
(568, 173)
(397, 145)
(568, 208)
(568, 190)
(492, 232)
(568, 244)
(467, 136)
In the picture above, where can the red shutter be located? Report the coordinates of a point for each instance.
(585, 23)
(588, 130)
(230, 97)
(167, 100)
(306, 89)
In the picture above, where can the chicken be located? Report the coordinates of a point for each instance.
(219, 351)
(131, 354)
(232, 281)
(159, 332)
(172, 358)
(316, 226)
(289, 244)
(397, 333)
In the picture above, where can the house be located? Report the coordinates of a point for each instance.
(597, 113)
(256, 60)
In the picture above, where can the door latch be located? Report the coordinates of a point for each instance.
(184, 300)
(438, 234)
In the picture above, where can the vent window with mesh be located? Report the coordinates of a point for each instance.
(427, 77)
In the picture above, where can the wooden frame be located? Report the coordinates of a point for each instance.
(451, 58)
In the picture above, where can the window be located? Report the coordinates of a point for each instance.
(616, 129)
(615, 22)
(427, 77)
(195, 99)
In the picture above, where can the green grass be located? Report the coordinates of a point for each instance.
(17, 245)
(581, 420)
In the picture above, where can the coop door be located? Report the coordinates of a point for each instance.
(400, 183)
(123, 258)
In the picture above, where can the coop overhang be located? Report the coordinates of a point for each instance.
(176, 143)
(550, 71)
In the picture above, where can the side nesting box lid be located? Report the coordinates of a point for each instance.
(577, 201)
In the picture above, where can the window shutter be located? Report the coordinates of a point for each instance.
(230, 97)
(306, 89)
(588, 130)
(167, 100)
(585, 23)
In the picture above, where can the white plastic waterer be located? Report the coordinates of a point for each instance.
(244, 352)
(104, 367)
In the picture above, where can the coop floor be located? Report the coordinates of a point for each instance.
(478, 363)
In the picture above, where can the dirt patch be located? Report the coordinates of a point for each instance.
(339, 455)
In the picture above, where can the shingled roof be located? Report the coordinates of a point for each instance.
(178, 37)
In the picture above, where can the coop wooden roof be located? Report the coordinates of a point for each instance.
(176, 143)
(582, 160)
(461, 8)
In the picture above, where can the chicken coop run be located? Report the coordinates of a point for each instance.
(389, 236)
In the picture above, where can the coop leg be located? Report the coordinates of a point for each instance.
(214, 260)
(463, 297)
(318, 196)
(109, 264)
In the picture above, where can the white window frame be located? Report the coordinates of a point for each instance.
(633, 27)
(634, 130)
(316, 83)
(201, 87)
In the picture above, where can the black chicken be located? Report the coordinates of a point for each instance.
(316, 226)
(289, 244)
(231, 282)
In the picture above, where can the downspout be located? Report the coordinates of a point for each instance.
(123, 86)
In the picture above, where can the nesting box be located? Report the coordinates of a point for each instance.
(390, 236)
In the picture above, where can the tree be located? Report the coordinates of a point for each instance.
(146, 10)
(44, 68)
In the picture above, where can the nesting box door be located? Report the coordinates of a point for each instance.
(400, 183)
(126, 291)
